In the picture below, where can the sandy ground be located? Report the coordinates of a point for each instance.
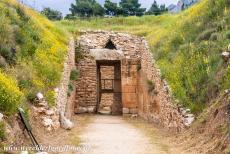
(114, 135)
(97, 134)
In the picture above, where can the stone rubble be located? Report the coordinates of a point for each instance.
(187, 115)
(46, 114)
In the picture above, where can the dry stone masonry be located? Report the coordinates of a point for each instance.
(118, 75)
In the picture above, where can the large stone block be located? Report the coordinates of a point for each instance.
(91, 109)
(133, 110)
(125, 110)
(132, 89)
(80, 110)
(129, 100)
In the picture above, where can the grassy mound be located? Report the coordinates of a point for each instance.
(32, 52)
(187, 47)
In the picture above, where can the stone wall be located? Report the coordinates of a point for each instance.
(64, 102)
(138, 70)
(154, 101)
(86, 85)
(129, 86)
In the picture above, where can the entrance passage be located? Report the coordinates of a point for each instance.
(109, 100)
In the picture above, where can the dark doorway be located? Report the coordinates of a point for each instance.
(109, 87)
(110, 45)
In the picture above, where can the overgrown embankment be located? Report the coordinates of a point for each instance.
(32, 52)
(186, 46)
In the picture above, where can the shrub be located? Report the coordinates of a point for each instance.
(70, 88)
(74, 75)
(7, 54)
(138, 66)
(10, 95)
(226, 79)
(24, 84)
(78, 53)
(151, 85)
(214, 36)
(50, 97)
(205, 35)
(2, 131)
(31, 96)
(227, 34)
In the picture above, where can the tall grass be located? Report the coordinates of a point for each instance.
(34, 50)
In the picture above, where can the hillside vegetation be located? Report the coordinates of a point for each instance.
(186, 46)
(32, 52)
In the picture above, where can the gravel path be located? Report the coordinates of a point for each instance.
(114, 135)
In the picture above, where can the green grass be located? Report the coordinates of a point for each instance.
(33, 51)
(186, 46)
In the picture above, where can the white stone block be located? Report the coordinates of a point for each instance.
(91, 109)
(40, 96)
(65, 123)
(134, 111)
(1, 117)
(188, 121)
(80, 110)
(125, 110)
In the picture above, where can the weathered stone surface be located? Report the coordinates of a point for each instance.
(133, 110)
(3, 62)
(137, 67)
(189, 120)
(134, 116)
(106, 54)
(43, 104)
(80, 110)
(1, 117)
(125, 110)
(56, 125)
(91, 109)
(62, 90)
(47, 122)
(225, 55)
(49, 112)
(65, 123)
(39, 96)
(104, 112)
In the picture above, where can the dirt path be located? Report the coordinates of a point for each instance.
(114, 135)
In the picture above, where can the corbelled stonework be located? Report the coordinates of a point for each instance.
(136, 71)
